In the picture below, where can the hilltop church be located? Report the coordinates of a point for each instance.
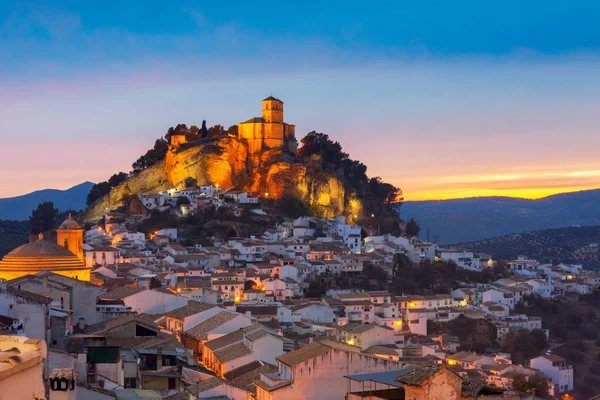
(269, 131)
(64, 257)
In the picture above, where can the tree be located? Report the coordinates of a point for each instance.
(155, 283)
(117, 179)
(154, 155)
(232, 130)
(412, 228)
(182, 200)
(43, 218)
(216, 131)
(97, 191)
(204, 131)
(525, 384)
(523, 344)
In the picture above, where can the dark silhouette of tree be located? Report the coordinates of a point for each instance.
(155, 283)
(204, 131)
(216, 131)
(412, 228)
(182, 200)
(117, 179)
(101, 189)
(43, 218)
(97, 191)
(525, 384)
(523, 345)
(232, 130)
(154, 155)
(378, 196)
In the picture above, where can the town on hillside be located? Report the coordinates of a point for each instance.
(312, 308)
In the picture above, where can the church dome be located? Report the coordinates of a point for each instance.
(40, 248)
(39, 256)
(69, 224)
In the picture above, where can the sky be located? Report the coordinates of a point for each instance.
(442, 99)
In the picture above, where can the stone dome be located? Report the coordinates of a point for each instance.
(69, 224)
(40, 248)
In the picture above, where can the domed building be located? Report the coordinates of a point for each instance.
(63, 258)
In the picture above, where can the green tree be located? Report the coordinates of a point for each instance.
(525, 384)
(43, 218)
(412, 228)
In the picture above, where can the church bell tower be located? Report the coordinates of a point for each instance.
(272, 111)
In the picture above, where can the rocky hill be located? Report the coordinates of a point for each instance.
(227, 162)
(569, 245)
(466, 220)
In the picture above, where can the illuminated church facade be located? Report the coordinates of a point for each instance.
(269, 131)
(64, 257)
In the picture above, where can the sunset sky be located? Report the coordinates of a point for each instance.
(489, 98)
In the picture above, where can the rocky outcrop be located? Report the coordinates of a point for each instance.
(226, 162)
(223, 161)
(150, 180)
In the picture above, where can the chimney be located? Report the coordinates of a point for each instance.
(159, 360)
(62, 384)
(81, 324)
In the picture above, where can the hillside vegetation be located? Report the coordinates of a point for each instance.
(467, 220)
(12, 234)
(569, 245)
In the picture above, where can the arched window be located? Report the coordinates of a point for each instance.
(66, 243)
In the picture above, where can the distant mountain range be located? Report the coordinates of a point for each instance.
(473, 219)
(570, 245)
(19, 208)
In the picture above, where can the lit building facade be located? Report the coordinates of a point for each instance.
(64, 257)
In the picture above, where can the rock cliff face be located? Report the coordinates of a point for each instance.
(150, 180)
(226, 162)
(223, 161)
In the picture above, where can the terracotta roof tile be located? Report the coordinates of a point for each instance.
(232, 352)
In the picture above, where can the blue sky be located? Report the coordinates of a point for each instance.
(444, 99)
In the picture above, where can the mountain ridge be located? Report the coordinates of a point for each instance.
(18, 208)
(479, 218)
(578, 245)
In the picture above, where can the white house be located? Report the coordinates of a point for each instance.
(365, 336)
(29, 311)
(103, 255)
(500, 297)
(145, 300)
(152, 201)
(463, 259)
(556, 368)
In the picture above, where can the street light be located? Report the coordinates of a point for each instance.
(267, 194)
